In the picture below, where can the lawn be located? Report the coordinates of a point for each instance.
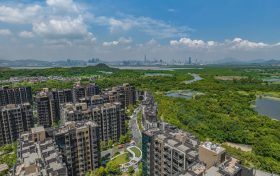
(139, 121)
(121, 159)
(136, 151)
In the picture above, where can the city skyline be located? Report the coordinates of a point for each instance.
(123, 30)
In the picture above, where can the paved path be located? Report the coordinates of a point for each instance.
(136, 133)
(133, 162)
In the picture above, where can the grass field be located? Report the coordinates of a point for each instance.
(136, 151)
(121, 159)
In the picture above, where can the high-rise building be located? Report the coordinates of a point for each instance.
(49, 105)
(111, 119)
(44, 109)
(125, 94)
(149, 113)
(80, 91)
(38, 155)
(75, 112)
(62, 96)
(109, 116)
(79, 145)
(190, 61)
(92, 89)
(57, 98)
(15, 95)
(95, 100)
(14, 119)
(168, 151)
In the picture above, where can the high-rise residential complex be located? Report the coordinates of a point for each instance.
(109, 116)
(49, 105)
(95, 100)
(15, 95)
(80, 91)
(125, 94)
(44, 109)
(38, 155)
(92, 89)
(168, 151)
(62, 96)
(111, 119)
(149, 113)
(79, 145)
(75, 112)
(14, 119)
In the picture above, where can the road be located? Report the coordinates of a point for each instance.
(136, 133)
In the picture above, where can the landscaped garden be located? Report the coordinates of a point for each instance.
(136, 151)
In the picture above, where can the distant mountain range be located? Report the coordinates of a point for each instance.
(234, 61)
(40, 63)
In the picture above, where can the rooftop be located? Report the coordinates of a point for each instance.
(212, 147)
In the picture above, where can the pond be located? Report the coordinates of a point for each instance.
(268, 106)
(187, 94)
(196, 77)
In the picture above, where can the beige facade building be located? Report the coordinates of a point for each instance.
(80, 146)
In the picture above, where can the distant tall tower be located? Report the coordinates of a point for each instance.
(190, 60)
(145, 59)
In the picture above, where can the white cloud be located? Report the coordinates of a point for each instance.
(121, 41)
(26, 34)
(193, 43)
(238, 43)
(68, 5)
(155, 28)
(69, 28)
(5, 32)
(19, 14)
(114, 24)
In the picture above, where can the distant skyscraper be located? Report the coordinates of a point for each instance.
(145, 59)
(190, 60)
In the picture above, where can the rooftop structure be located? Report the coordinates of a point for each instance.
(211, 154)
(168, 151)
(38, 156)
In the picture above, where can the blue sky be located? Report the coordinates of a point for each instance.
(129, 29)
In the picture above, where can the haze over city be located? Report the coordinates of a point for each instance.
(126, 30)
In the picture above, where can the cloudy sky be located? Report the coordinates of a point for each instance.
(129, 29)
